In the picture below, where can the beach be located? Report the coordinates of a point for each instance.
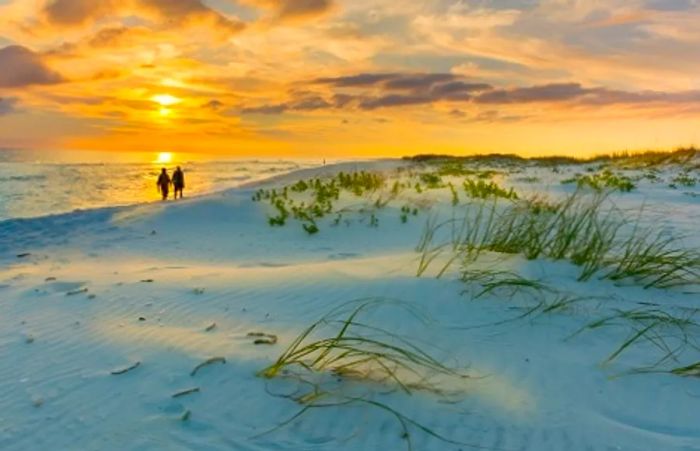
(164, 325)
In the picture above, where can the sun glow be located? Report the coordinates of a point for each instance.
(164, 158)
(166, 100)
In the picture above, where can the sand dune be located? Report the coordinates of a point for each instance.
(105, 289)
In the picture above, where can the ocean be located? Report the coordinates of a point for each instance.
(38, 183)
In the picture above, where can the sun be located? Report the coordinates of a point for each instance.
(165, 100)
(164, 158)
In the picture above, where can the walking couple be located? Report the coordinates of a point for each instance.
(177, 181)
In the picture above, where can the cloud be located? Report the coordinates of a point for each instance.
(594, 96)
(373, 91)
(358, 80)
(417, 82)
(397, 89)
(71, 13)
(394, 100)
(307, 103)
(437, 83)
(214, 105)
(76, 12)
(294, 9)
(383, 90)
(184, 10)
(22, 67)
(266, 109)
(555, 92)
(8, 105)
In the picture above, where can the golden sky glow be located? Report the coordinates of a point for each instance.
(164, 158)
(332, 78)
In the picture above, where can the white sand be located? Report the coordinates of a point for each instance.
(215, 260)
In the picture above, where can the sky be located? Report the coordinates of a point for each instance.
(334, 78)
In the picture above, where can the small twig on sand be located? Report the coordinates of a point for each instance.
(147, 281)
(207, 362)
(76, 292)
(126, 370)
(189, 391)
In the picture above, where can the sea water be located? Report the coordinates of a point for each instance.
(38, 183)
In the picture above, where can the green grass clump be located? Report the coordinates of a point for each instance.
(480, 189)
(684, 179)
(654, 259)
(308, 201)
(603, 180)
(342, 346)
(431, 181)
(581, 229)
(358, 350)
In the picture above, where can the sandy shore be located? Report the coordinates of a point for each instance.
(107, 313)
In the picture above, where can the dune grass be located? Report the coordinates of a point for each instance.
(351, 351)
(650, 158)
(583, 229)
(671, 334)
(602, 181)
(344, 347)
(308, 201)
(496, 281)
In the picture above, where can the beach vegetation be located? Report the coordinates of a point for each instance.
(672, 335)
(603, 181)
(684, 179)
(584, 230)
(341, 348)
(479, 189)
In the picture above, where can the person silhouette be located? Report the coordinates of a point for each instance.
(164, 183)
(178, 181)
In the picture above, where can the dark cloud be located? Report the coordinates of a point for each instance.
(8, 106)
(555, 92)
(406, 89)
(561, 92)
(394, 100)
(459, 87)
(22, 67)
(373, 91)
(214, 105)
(309, 103)
(359, 80)
(266, 109)
(418, 82)
(602, 96)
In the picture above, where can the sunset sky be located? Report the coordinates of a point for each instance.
(350, 77)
